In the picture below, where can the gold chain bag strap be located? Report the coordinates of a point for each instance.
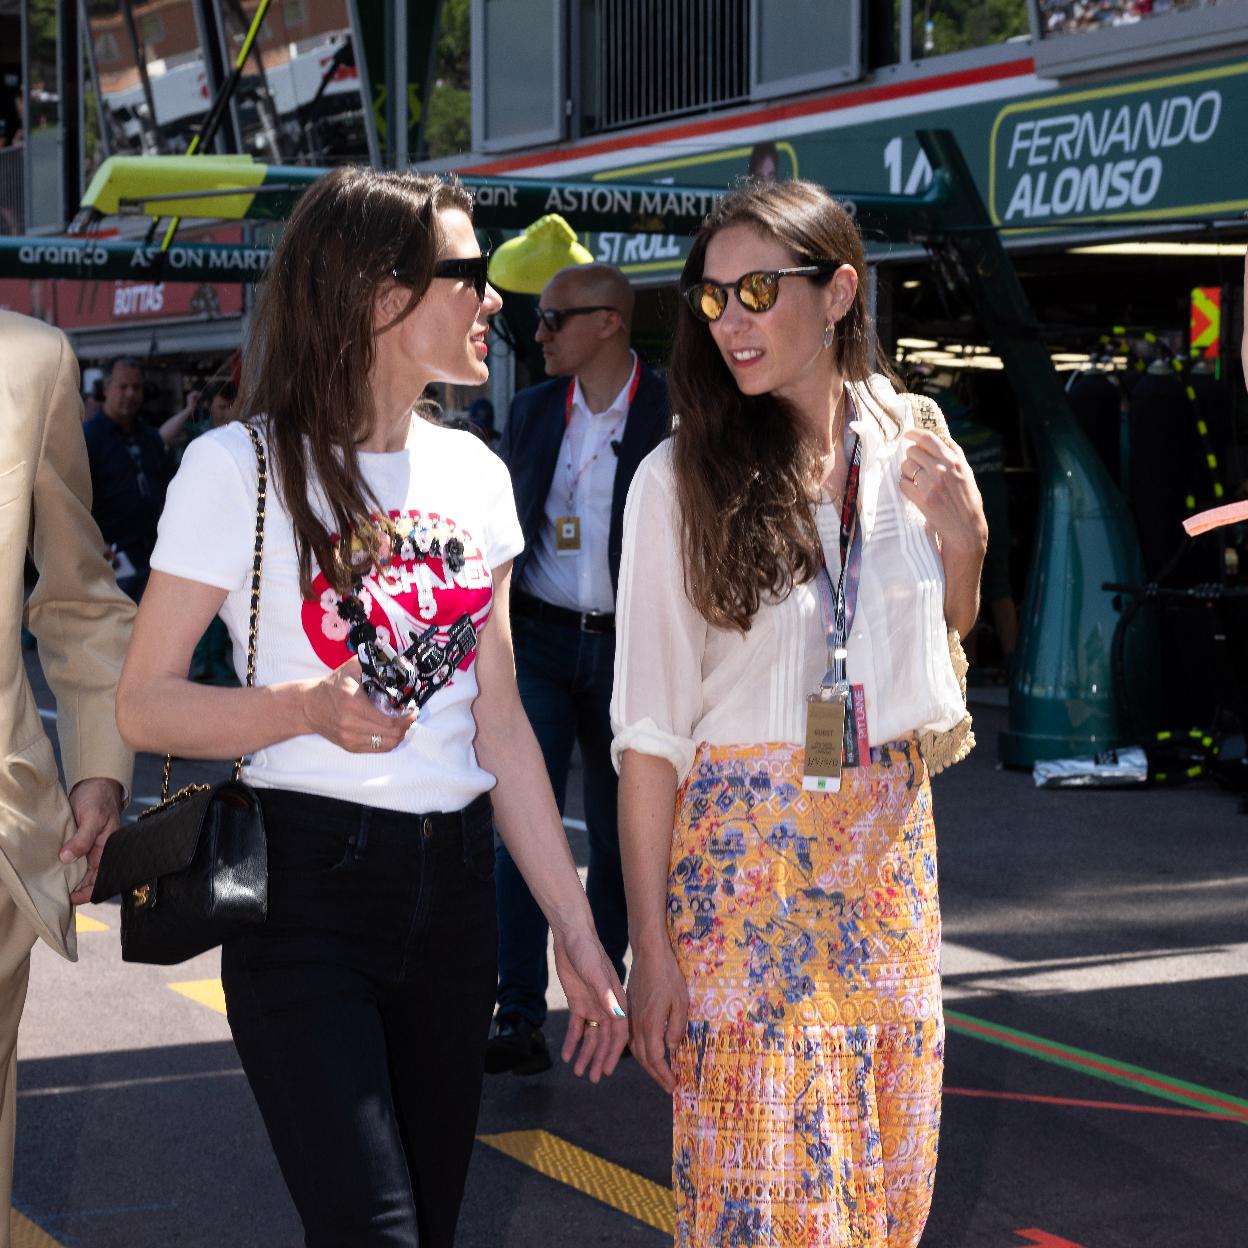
(943, 749)
(193, 870)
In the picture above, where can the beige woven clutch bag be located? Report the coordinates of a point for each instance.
(943, 749)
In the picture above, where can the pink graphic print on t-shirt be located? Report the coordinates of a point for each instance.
(416, 587)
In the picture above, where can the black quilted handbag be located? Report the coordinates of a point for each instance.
(193, 871)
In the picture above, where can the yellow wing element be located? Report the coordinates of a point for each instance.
(525, 264)
(133, 178)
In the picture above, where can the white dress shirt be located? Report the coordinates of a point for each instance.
(680, 682)
(582, 486)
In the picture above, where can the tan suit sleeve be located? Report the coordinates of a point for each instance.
(80, 618)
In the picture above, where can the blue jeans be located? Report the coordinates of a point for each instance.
(565, 679)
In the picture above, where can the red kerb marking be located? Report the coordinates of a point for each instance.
(1042, 1239)
(1070, 1102)
(1109, 1068)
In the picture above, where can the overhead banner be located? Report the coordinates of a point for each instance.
(80, 289)
(1150, 149)
(515, 203)
(1142, 148)
(93, 260)
(230, 187)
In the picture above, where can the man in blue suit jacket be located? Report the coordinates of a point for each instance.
(572, 444)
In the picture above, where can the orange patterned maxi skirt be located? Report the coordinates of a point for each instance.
(807, 927)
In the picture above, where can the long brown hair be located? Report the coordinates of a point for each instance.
(312, 347)
(744, 472)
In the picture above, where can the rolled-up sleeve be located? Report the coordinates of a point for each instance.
(657, 698)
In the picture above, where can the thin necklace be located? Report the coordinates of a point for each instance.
(838, 417)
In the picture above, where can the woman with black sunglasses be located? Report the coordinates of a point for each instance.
(385, 732)
(794, 557)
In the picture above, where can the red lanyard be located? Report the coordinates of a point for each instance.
(575, 479)
(633, 382)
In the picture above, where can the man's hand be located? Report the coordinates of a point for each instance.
(172, 428)
(96, 804)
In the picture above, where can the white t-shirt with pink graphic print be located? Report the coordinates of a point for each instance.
(450, 502)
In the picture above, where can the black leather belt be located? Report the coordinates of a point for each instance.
(535, 609)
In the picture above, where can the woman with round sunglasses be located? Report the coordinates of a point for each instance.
(385, 733)
(793, 558)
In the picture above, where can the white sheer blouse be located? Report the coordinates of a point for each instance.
(679, 681)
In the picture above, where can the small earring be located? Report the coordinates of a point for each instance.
(829, 332)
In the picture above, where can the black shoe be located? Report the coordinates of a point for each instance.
(516, 1045)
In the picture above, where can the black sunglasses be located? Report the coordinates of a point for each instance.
(553, 318)
(756, 291)
(472, 269)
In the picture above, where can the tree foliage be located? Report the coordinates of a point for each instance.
(448, 130)
(960, 24)
(454, 42)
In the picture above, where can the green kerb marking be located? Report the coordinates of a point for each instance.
(1107, 1069)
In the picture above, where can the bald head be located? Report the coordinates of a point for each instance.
(589, 339)
(585, 284)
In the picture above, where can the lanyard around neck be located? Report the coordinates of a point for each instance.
(633, 382)
(574, 479)
(840, 605)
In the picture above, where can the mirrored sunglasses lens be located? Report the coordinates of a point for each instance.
(757, 291)
(707, 301)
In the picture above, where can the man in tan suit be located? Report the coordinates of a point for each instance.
(50, 843)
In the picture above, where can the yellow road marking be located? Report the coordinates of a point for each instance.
(85, 923)
(549, 1155)
(204, 991)
(638, 1197)
(27, 1235)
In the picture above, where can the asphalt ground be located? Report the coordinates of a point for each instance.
(1096, 983)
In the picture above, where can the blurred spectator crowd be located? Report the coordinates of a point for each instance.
(1068, 16)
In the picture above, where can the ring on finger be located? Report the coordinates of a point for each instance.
(914, 476)
(592, 1022)
(376, 740)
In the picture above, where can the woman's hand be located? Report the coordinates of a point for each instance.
(159, 710)
(658, 1000)
(596, 1022)
(658, 1007)
(936, 478)
(337, 708)
(529, 822)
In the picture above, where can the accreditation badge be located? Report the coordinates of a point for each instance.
(567, 536)
(825, 741)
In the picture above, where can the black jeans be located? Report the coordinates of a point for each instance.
(360, 1011)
